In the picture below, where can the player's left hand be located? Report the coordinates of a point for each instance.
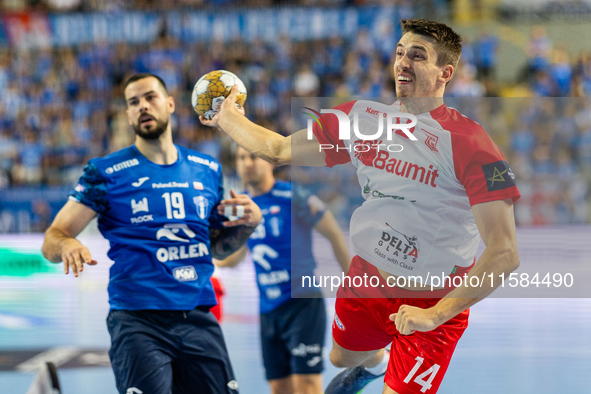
(409, 319)
(252, 213)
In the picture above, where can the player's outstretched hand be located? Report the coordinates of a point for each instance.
(75, 255)
(229, 104)
(409, 319)
(251, 216)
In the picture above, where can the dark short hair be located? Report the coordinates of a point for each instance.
(448, 43)
(139, 76)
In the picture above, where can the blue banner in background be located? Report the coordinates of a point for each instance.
(144, 27)
(268, 24)
(134, 27)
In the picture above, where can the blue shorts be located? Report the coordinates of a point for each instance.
(169, 352)
(292, 338)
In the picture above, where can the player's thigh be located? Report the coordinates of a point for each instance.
(358, 325)
(307, 383)
(303, 328)
(388, 390)
(139, 353)
(418, 362)
(276, 355)
(202, 364)
(282, 385)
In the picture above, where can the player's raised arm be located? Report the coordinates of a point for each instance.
(266, 144)
(496, 224)
(60, 242)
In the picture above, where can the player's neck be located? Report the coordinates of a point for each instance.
(420, 105)
(160, 151)
(262, 187)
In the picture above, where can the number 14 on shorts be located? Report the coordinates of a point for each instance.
(430, 373)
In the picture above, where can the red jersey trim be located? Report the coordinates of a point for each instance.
(472, 148)
(333, 156)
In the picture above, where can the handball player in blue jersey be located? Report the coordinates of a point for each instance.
(160, 206)
(292, 329)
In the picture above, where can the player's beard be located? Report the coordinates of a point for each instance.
(152, 134)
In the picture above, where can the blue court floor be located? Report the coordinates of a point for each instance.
(511, 346)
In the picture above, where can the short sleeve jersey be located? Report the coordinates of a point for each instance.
(416, 219)
(289, 215)
(157, 220)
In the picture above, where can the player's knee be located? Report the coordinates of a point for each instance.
(282, 385)
(342, 358)
(307, 383)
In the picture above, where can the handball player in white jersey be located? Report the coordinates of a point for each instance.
(425, 207)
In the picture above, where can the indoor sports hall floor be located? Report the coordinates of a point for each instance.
(511, 346)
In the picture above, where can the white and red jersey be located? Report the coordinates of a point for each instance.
(416, 219)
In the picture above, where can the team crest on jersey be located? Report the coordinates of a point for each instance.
(498, 175)
(139, 206)
(202, 206)
(431, 141)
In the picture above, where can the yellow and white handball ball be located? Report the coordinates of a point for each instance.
(211, 90)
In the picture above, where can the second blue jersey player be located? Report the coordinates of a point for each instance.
(160, 207)
(292, 329)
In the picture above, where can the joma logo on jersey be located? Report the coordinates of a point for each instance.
(399, 244)
(392, 120)
(122, 165)
(184, 274)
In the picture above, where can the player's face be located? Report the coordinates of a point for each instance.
(415, 69)
(148, 108)
(250, 168)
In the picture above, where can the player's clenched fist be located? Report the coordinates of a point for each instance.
(242, 206)
(75, 255)
(409, 319)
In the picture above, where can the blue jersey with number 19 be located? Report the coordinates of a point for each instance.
(272, 242)
(157, 220)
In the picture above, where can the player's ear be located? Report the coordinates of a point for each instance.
(171, 104)
(447, 72)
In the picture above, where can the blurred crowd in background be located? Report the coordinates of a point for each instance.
(63, 106)
(158, 5)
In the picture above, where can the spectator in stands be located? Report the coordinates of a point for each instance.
(538, 50)
(485, 54)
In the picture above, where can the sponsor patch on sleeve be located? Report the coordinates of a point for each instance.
(498, 175)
